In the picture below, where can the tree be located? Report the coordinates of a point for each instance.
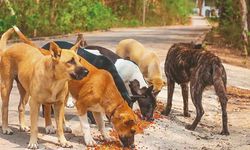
(200, 3)
(244, 23)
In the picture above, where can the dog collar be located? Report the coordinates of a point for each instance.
(113, 112)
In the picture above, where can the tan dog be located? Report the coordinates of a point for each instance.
(98, 93)
(148, 61)
(43, 78)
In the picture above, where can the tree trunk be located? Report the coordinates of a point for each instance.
(144, 11)
(244, 26)
(200, 2)
(248, 16)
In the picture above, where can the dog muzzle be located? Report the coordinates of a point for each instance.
(79, 73)
(128, 142)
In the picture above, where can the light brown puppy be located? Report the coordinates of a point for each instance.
(148, 61)
(97, 92)
(43, 78)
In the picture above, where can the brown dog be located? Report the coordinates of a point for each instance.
(31, 69)
(98, 93)
(189, 62)
(148, 61)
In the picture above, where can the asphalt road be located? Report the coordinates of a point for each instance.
(158, 39)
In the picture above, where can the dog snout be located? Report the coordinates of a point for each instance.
(79, 73)
(148, 118)
(127, 142)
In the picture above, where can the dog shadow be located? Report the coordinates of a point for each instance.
(202, 128)
(21, 139)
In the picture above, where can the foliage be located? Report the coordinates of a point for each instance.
(66, 16)
(230, 22)
(56, 17)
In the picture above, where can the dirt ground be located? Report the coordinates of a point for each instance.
(165, 132)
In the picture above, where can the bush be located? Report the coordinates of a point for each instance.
(57, 17)
(67, 16)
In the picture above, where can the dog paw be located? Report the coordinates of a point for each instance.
(67, 129)
(107, 138)
(50, 129)
(7, 131)
(165, 112)
(24, 129)
(33, 146)
(187, 114)
(224, 132)
(189, 127)
(89, 141)
(66, 144)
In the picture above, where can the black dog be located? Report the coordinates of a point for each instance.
(102, 62)
(188, 62)
(105, 52)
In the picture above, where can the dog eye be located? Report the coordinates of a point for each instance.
(72, 61)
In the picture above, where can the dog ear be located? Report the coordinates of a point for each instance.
(76, 46)
(83, 42)
(150, 89)
(55, 51)
(143, 90)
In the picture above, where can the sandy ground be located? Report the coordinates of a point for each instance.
(167, 132)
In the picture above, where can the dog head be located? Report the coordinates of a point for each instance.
(125, 123)
(146, 99)
(157, 84)
(66, 63)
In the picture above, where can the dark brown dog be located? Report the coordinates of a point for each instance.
(188, 62)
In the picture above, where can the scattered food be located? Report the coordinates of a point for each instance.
(238, 99)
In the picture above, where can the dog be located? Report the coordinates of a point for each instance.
(99, 94)
(187, 62)
(136, 85)
(30, 69)
(101, 62)
(148, 61)
(129, 73)
(104, 51)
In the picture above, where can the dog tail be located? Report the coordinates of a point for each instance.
(23, 38)
(4, 38)
(220, 80)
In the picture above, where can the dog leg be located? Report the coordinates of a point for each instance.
(34, 110)
(59, 116)
(223, 102)
(49, 128)
(184, 89)
(66, 128)
(21, 107)
(221, 92)
(196, 95)
(171, 85)
(89, 141)
(6, 87)
(101, 126)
